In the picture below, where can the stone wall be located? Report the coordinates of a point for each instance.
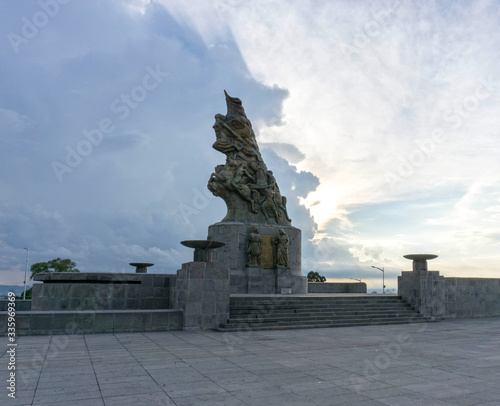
(471, 297)
(330, 287)
(434, 295)
(102, 291)
(92, 322)
(21, 305)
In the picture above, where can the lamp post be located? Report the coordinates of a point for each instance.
(26, 270)
(383, 277)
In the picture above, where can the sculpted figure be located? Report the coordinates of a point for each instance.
(254, 248)
(282, 242)
(269, 206)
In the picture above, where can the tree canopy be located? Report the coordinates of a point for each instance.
(315, 277)
(54, 265)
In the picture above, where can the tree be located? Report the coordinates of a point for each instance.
(28, 294)
(315, 277)
(54, 265)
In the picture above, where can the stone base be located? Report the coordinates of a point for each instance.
(336, 287)
(424, 291)
(93, 321)
(266, 278)
(102, 291)
(202, 293)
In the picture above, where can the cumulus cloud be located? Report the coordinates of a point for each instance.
(380, 121)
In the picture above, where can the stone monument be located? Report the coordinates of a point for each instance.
(263, 249)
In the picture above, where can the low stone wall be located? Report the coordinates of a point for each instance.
(332, 287)
(103, 291)
(471, 297)
(21, 305)
(434, 295)
(92, 322)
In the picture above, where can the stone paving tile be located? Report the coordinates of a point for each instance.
(386, 392)
(151, 399)
(195, 388)
(225, 399)
(349, 398)
(328, 391)
(455, 362)
(439, 390)
(415, 400)
(69, 398)
(271, 399)
(129, 388)
(84, 402)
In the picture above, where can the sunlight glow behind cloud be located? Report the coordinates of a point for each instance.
(379, 118)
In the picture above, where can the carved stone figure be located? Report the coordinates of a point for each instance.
(244, 182)
(282, 241)
(254, 248)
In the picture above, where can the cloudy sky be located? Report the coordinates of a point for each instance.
(380, 120)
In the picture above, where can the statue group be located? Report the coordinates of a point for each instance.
(254, 249)
(244, 182)
(263, 249)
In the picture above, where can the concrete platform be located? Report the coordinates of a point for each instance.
(455, 362)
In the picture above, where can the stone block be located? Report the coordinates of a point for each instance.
(118, 304)
(147, 303)
(208, 285)
(41, 322)
(103, 322)
(84, 322)
(147, 293)
(160, 303)
(142, 321)
(23, 322)
(147, 281)
(63, 321)
(208, 321)
(160, 320)
(160, 292)
(196, 273)
(194, 294)
(134, 291)
(192, 308)
(160, 282)
(222, 308)
(123, 322)
(193, 322)
(175, 321)
(133, 304)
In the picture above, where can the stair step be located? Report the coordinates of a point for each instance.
(242, 327)
(322, 317)
(266, 313)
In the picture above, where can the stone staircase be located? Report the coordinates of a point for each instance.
(291, 312)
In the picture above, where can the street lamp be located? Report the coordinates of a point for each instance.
(356, 279)
(383, 278)
(26, 270)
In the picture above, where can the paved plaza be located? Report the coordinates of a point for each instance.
(454, 362)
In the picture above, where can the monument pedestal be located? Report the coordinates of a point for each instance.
(267, 277)
(203, 295)
(423, 290)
